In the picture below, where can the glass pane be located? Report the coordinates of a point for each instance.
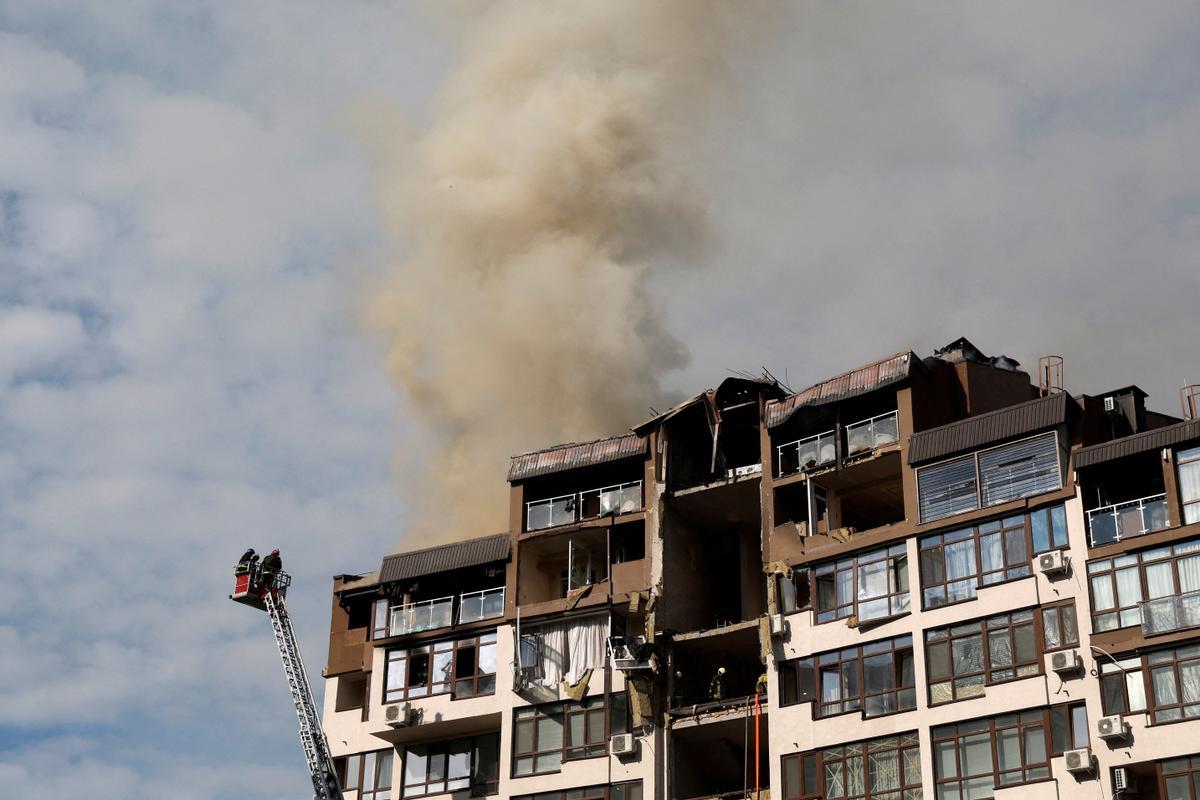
(1079, 726)
(1135, 690)
(883, 771)
(944, 762)
(977, 754)
(960, 559)
(1039, 531)
(1129, 587)
(1008, 749)
(1165, 691)
(939, 660)
(872, 579)
(415, 765)
(1026, 649)
(1051, 636)
(999, 649)
(1035, 745)
(1102, 593)
(968, 655)
(791, 776)
(1177, 788)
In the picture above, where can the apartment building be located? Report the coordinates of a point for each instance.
(923, 576)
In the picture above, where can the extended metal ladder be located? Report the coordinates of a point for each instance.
(312, 737)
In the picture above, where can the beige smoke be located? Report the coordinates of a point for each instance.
(553, 179)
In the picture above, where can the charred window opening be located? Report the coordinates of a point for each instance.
(727, 754)
(715, 438)
(862, 496)
(552, 568)
(578, 495)
(1124, 498)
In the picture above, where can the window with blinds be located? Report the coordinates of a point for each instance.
(989, 477)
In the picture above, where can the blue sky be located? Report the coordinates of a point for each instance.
(190, 228)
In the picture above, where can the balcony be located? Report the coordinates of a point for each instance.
(872, 433)
(814, 451)
(1125, 520)
(1175, 612)
(428, 615)
(567, 509)
(476, 606)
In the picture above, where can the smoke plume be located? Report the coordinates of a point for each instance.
(551, 182)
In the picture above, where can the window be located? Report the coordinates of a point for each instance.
(879, 769)
(1122, 686)
(871, 585)
(876, 679)
(371, 773)
(797, 681)
(965, 766)
(1048, 528)
(794, 591)
(545, 736)
(1068, 728)
(963, 658)
(1189, 483)
(1181, 778)
(1151, 588)
(379, 628)
(1059, 627)
(1175, 684)
(955, 564)
(465, 666)
(553, 652)
(989, 477)
(631, 790)
(473, 762)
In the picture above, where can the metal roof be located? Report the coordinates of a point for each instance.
(569, 456)
(714, 397)
(446, 557)
(867, 378)
(994, 426)
(1138, 443)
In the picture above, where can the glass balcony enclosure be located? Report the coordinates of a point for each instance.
(1123, 520)
(871, 433)
(861, 437)
(567, 509)
(1174, 612)
(428, 615)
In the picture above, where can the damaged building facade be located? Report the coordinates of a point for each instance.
(924, 577)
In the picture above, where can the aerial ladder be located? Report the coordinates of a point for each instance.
(265, 589)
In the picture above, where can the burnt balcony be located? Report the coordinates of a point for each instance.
(1125, 520)
(567, 509)
(1175, 612)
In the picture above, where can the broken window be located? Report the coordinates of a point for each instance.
(473, 762)
(888, 768)
(466, 666)
(872, 585)
(961, 659)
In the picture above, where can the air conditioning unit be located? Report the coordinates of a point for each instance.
(1063, 662)
(1123, 780)
(1053, 563)
(1110, 403)
(401, 716)
(1112, 727)
(1078, 761)
(779, 625)
(623, 744)
(630, 652)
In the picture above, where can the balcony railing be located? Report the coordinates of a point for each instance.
(486, 604)
(813, 451)
(864, 436)
(423, 616)
(589, 504)
(1124, 520)
(1175, 612)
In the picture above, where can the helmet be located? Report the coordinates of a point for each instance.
(275, 552)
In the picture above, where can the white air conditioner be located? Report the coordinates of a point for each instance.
(630, 653)
(1063, 662)
(1053, 563)
(1078, 761)
(1123, 780)
(623, 744)
(1112, 727)
(1110, 403)
(401, 716)
(779, 625)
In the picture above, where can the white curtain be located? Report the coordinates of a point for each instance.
(585, 647)
(960, 560)
(1189, 484)
(1189, 574)
(553, 653)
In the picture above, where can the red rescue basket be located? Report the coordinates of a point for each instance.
(251, 584)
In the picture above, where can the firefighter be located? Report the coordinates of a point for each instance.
(716, 689)
(272, 565)
(247, 561)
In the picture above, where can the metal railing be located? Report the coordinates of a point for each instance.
(425, 615)
(877, 431)
(621, 498)
(813, 451)
(1175, 612)
(485, 604)
(1124, 520)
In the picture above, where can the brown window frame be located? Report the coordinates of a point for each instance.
(1023, 721)
(625, 790)
(990, 674)
(1138, 560)
(812, 766)
(1171, 661)
(899, 600)
(1119, 675)
(1058, 612)
(1185, 767)
(351, 771)
(854, 660)
(441, 751)
(481, 684)
(1068, 717)
(615, 709)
